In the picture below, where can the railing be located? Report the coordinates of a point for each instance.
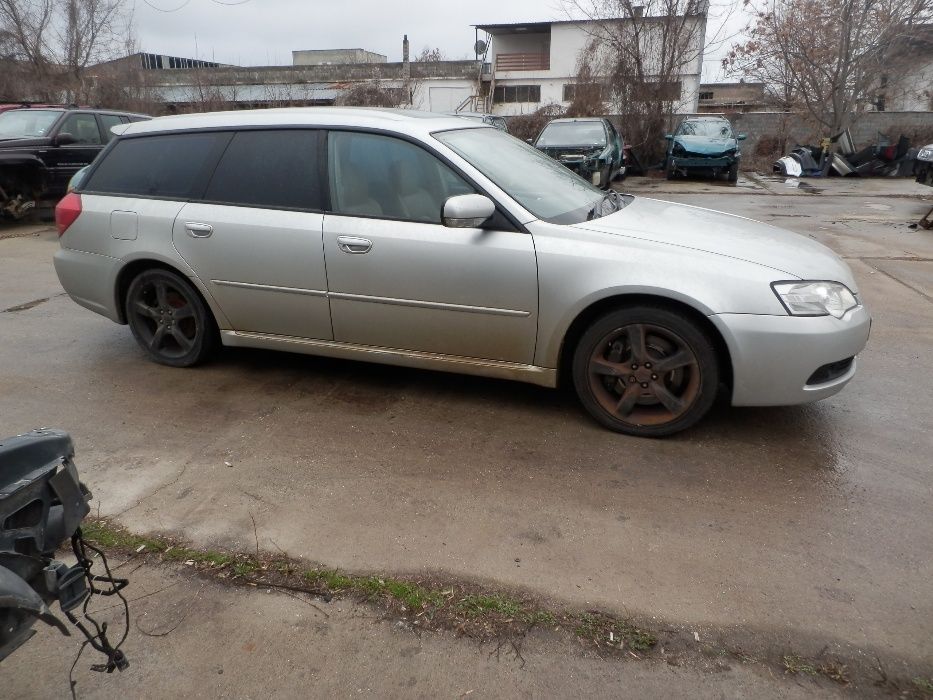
(523, 61)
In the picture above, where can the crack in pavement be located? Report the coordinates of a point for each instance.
(30, 304)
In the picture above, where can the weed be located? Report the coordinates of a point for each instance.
(925, 685)
(473, 605)
(795, 664)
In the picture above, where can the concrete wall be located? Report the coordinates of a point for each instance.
(912, 89)
(317, 57)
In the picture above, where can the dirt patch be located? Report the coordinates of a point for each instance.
(504, 618)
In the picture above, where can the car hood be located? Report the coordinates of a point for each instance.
(705, 145)
(696, 228)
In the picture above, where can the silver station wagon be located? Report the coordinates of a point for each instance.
(433, 242)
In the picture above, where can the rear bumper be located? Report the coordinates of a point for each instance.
(90, 279)
(774, 358)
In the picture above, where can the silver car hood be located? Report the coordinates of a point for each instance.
(725, 234)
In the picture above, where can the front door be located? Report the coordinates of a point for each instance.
(397, 278)
(65, 161)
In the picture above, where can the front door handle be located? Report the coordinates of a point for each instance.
(196, 230)
(354, 245)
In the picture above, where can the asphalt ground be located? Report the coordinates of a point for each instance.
(803, 528)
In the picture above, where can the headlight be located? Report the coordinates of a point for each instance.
(926, 153)
(815, 298)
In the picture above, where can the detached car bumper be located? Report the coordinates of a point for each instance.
(785, 360)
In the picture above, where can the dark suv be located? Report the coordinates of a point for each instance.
(42, 148)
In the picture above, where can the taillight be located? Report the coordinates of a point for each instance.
(66, 211)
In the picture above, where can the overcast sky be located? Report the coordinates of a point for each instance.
(265, 32)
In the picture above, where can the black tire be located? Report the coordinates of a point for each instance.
(616, 375)
(669, 171)
(734, 172)
(169, 319)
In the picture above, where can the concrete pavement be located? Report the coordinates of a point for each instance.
(794, 528)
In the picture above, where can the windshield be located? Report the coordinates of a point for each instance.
(573, 134)
(711, 129)
(27, 123)
(539, 183)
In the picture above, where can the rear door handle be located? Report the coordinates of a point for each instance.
(196, 230)
(354, 245)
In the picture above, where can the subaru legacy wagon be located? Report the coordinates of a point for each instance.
(438, 243)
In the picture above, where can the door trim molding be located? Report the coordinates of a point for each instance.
(271, 288)
(531, 374)
(443, 306)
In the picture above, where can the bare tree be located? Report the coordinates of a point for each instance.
(642, 50)
(56, 40)
(430, 55)
(825, 55)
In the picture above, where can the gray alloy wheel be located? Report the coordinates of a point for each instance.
(646, 371)
(169, 319)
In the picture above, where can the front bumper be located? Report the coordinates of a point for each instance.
(774, 358)
(699, 162)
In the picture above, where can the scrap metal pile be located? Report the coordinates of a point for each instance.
(838, 156)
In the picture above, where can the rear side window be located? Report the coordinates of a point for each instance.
(171, 165)
(274, 169)
(108, 121)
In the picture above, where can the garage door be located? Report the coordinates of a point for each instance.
(447, 99)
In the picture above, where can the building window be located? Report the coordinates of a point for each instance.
(706, 95)
(517, 93)
(570, 92)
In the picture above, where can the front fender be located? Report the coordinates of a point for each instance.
(575, 273)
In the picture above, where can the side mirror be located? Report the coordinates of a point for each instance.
(741, 137)
(668, 136)
(63, 139)
(467, 211)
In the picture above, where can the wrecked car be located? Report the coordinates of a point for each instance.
(42, 148)
(592, 148)
(439, 243)
(706, 145)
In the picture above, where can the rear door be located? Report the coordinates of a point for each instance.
(255, 239)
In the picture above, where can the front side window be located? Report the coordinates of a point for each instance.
(386, 177)
(539, 183)
(275, 169)
(170, 165)
(27, 123)
(83, 127)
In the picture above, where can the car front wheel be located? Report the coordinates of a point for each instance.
(646, 371)
(169, 319)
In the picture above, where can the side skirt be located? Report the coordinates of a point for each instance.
(530, 374)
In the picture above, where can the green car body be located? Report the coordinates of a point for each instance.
(705, 145)
(591, 147)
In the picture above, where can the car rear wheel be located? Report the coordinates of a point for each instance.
(646, 371)
(169, 319)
